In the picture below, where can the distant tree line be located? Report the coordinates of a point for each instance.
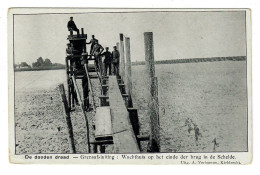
(194, 60)
(22, 65)
(40, 64)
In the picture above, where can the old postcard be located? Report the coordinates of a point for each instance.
(130, 86)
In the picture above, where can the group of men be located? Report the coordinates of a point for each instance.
(110, 59)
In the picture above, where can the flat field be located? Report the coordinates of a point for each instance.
(209, 97)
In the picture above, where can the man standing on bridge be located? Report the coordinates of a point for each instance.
(115, 60)
(72, 27)
(97, 51)
(92, 42)
(107, 61)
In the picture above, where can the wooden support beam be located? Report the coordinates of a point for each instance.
(128, 73)
(105, 77)
(122, 57)
(104, 89)
(133, 115)
(68, 119)
(104, 81)
(90, 86)
(103, 96)
(104, 100)
(68, 82)
(122, 88)
(85, 89)
(143, 137)
(83, 110)
(93, 76)
(154, 143)
(125, 95)
(102, 142)
(120, 81)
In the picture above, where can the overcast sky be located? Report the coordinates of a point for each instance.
(176, 34)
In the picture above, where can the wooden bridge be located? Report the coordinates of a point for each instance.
(116, 120)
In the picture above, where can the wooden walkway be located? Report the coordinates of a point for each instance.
(123, 134)
(116, 121)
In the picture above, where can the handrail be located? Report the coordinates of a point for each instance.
(90, 87)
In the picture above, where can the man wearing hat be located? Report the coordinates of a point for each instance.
(115, 60)
(92, 42)
(107, 61)
(72, 26)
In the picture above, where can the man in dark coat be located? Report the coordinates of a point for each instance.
(72, 26)
(97, 51)
(115, 60)
(107, 61)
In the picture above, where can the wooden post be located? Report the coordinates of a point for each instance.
(128, 72)
(68, 119)
(117, 46)
(68, 83)
(90, 86)
(122, 57)
(154, 142)
(85, 92)
(82, 32)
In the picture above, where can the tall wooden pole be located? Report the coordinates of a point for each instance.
(128, 72)
(154, 142)
(68, 83)
(118, 46)
(122, 57)
(68, 119)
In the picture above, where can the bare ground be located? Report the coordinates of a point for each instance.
(206, 101)
(40, 116)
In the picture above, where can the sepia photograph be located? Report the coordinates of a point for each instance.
(129, 83)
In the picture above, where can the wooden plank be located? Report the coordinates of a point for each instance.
(103, 124)
(123, 134)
